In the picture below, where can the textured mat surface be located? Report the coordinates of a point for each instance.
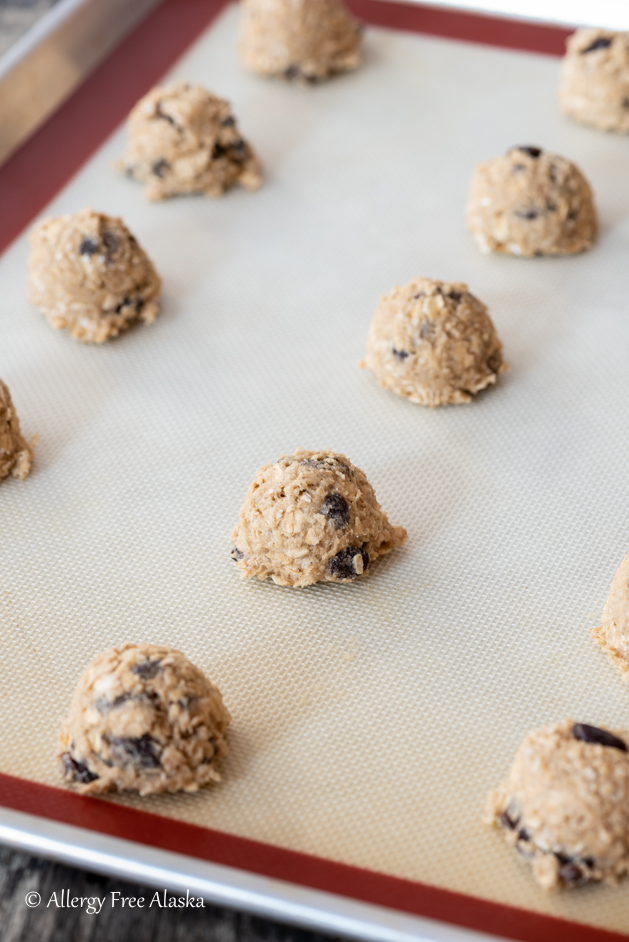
(370, 719)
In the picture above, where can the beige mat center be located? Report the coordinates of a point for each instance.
(369, 720)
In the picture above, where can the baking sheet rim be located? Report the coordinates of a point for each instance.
(222, 885)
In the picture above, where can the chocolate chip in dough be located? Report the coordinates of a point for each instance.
(342, 566)
(160, 167)
(140, 751)
(336, 509)
(531, 151)
(146, 670)
(595, 735)
(603, 42)
(88, 246)
(77, 770)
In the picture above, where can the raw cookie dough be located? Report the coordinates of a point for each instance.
(595, 79)
(305, 40)
(565, 805)
(311, 517)
(143, 718)
(16, 454)
(531, 203)
(613, 632)
(183, 139)
(433, 343)
(88, 275)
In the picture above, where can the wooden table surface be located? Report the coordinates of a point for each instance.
(21, 874)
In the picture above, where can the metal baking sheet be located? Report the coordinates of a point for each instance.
(44, 65)
(227, 886)
(371, 719)
(18, 17)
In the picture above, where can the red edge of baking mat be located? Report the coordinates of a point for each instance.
(470, 27)
(157, 831)
(28, 181)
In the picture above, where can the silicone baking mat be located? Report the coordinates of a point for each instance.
(369, 720)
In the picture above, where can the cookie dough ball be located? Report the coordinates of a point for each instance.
(88, 275)
(16, 454)
(565, 805)
(311, 517)
(613, 632)
(304, 40)
(143, 718)
(434, 343)
(531, 203)
(595, 79)
(183, 139)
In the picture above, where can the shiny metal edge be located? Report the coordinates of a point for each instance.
(220, 885)
(46, 64)
(606, 14)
